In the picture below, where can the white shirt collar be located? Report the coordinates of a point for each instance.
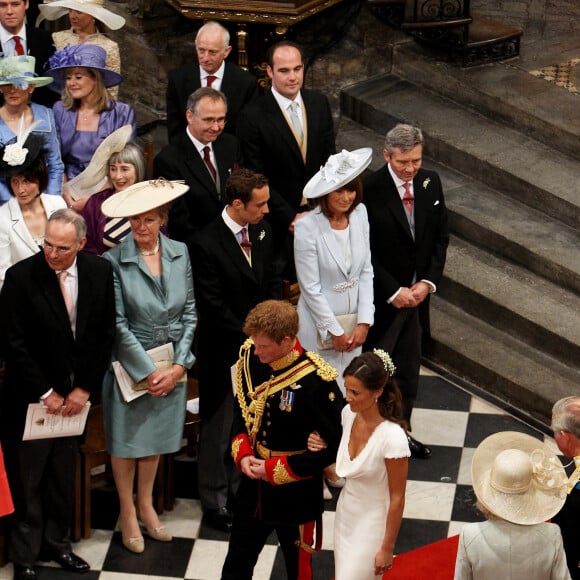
(234, 226)
(198, 144)
(5, 36)
(72, 270)
(284, 102)
(399, 182)
(219, 73)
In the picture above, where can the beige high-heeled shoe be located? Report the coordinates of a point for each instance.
(160, 534)
(136, 545)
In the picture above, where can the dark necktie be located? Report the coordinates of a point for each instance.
(210, 165)
(245, 243)
(408, 199)
(18, 45)
(210, 79)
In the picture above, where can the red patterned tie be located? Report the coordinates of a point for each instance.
(245, 243)
(210, 79)
(207, 159)
(18, 45)
(408, 199)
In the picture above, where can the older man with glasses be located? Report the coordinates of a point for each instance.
(203, 156)
(57, 313)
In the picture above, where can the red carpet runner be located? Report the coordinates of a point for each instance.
(433, 562)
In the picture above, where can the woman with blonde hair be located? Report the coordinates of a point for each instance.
(86, 115)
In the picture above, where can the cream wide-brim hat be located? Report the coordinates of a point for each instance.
(143, 197)
(517, 478)
(94, 177)
(54, 10)
(338, 171)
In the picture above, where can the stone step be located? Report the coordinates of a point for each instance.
(503, 366)
(506, 92)
(513, 300)
(493, 154)
(515, 231)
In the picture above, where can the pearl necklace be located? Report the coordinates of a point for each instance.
(151, 252)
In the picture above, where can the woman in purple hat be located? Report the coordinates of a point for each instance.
(85, 115)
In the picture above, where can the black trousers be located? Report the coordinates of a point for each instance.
(41, 475)
(402, 340)
(247, 539)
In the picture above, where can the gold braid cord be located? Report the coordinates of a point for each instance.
(324, 370)
(253, 412)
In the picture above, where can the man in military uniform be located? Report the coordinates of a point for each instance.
(281, 399)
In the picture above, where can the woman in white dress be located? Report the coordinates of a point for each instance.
(373, 457)
(23, 219)
(333, 262)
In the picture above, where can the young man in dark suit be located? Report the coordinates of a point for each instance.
(212, 45)
(409, 237)
(18, 38)
(233, 272)
(57, 346)
(287, 134)
(203, 156)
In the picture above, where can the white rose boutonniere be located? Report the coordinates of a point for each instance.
(426, 183)
(15, 154)
(262, 235)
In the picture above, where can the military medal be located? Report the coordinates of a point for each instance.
(286, 400)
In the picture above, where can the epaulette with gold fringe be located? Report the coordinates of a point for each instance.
(323, 369)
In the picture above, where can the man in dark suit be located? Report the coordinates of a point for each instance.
(231, 277)
(212, 44)
(31, 41)
(287, 134)
(56, 345)
(203, 156)
(566, 428)
(409, 238)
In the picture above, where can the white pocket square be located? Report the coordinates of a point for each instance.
(436, 203)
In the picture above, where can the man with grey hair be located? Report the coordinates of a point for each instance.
(57, 324)
(409, 237)
(212, 45)
(566, 428)
(203, 156)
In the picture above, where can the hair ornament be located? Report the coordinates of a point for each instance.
(386, 360)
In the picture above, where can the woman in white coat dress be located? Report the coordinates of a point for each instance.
(23, 218)
(333, 262)
(519, 484)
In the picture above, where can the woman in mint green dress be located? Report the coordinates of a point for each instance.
(155, 306)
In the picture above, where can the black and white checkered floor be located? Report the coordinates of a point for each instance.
(439, 501)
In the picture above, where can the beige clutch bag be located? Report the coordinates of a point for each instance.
(160, 365)
(348, 323)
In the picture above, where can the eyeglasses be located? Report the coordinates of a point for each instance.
(48, 247)
(221, 121)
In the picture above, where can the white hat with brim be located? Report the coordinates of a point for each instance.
(94, 177)
(81, 56)
(142, 197)
(338, 171)
(517, 478)
(19, 72)
(54, 10)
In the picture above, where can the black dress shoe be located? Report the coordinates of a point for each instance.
(220, 519)
(418, 450)
(71, 562)
(24, 573)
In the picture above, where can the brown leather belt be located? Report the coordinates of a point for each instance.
(266, 453)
